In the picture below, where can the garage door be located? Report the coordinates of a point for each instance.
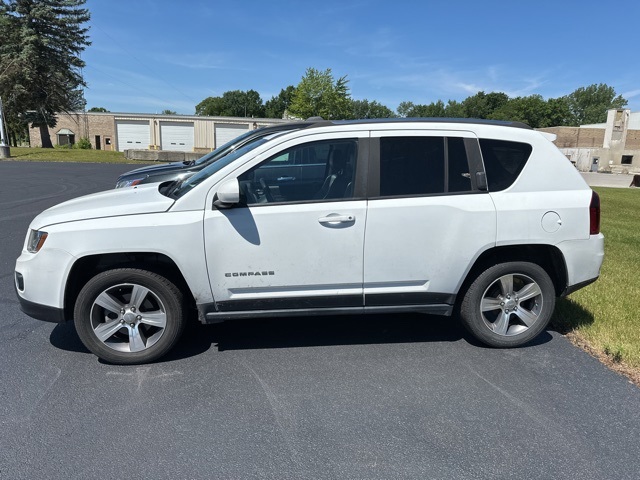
(176, 136)
(133, 135)
(226, 133)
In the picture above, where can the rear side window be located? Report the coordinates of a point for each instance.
(423, 166)
(503, 162)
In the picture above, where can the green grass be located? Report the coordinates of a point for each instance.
(607, 313)
(67, 155)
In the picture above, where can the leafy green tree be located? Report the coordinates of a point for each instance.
(211, 107)
(233, 103)
(366, 109)
(531, 110)
(590, 104)
(404, 108)
(40, 57)
(168, 112)
(454, 109)
(243, 104)
(98, 109)
(318, 94)
(482, 105)
(278, 105)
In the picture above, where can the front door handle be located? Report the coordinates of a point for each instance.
(335, 218)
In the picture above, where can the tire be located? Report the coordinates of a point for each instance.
(129, 316)
(508, 304)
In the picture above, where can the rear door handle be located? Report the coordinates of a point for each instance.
(335, 218)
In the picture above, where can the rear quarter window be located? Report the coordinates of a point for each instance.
(503, 161)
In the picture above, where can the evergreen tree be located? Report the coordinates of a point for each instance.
(41, 68)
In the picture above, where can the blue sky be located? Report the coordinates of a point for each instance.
(151, 55)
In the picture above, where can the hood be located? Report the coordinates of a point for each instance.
(124, 201)
(153, 169)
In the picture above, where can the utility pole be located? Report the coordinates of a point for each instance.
(4, 143)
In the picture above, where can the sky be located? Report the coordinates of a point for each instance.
(150, 55)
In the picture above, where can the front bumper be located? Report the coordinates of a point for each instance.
(39, 281)
(41, 312)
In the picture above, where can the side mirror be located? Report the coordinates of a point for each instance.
(228, 194)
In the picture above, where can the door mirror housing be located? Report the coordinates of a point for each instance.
(228, 194)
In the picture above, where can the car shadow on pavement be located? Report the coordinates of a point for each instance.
(292, 332)
(65, 337)
(314, 331)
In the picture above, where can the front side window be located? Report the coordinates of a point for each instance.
(322, 170)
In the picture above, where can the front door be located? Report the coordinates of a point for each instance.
(297, 241)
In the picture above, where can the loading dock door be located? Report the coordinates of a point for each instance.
(226, 133)
(133, 135)
(176, 136)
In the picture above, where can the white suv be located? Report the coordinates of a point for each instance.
(484, 220)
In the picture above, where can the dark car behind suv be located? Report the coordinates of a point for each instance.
(183, 170)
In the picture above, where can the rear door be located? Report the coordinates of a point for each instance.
(427, 220)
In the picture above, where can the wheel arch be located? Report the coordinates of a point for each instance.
(548, 257)
(88, 266)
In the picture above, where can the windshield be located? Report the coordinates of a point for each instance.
(216, 166)
(224, 149)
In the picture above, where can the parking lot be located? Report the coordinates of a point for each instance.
(384, 396)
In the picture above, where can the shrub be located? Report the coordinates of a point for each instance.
(84, 143)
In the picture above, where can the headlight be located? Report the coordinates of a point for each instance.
(36, 240)
(129, 183)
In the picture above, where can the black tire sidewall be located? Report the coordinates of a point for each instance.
(167, 292)
(470, 306)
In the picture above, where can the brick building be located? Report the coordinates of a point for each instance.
(132, 131)
(613, 146)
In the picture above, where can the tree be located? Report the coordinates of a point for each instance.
(41, 66)
(233, 103)
(404, 108)
(318, 94)
(211, 107)
(366, 109)
(482, 105)
(454, 109)
(531, 110)
(168, 112)
(276, 107)
(590, 104)
(98, 109)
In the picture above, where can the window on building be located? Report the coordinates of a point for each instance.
(627, 159)
(66, 137)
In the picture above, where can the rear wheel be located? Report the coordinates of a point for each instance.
(508, 304)
(129, 316)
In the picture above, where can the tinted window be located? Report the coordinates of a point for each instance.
(503, 161)
(411, 165)
(459, 176)
(423, 165)
(313, 171)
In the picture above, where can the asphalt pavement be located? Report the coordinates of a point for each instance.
(374, 397)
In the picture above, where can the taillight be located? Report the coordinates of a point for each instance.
(594, 214)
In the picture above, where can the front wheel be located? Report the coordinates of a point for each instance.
(129, 316)
(508, 304)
